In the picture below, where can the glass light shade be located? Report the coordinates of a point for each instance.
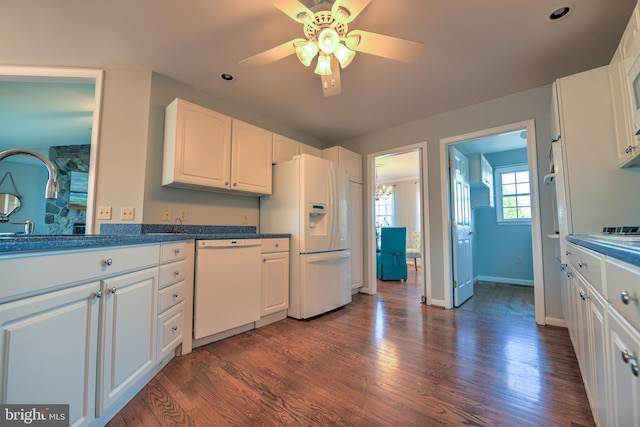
(307, 52)
(344, 55)
(323, 67)
(328, 40)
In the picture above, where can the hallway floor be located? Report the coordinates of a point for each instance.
(502, 299)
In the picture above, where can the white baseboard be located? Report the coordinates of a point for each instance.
(521, 282)
(437, 303)
(554, 321)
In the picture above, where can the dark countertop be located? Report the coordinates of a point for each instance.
(35, 243)
(623, 250)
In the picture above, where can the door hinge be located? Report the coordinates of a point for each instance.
(455, 284)
(451, 163)
(453, 222)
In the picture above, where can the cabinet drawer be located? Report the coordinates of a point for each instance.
(275, 245)
(170, 330)
(623, 277)
(172, 273)
(589, 264)
(24, 275)
(171, 296)
(173, 251)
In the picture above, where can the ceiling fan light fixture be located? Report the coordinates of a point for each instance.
(306, 52)
(341, 14)
(328, 40)
(344, 55)
(323, 67)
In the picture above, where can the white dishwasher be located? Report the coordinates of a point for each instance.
(227, 285)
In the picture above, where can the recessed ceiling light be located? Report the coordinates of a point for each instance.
(226, 76)
(560, 12)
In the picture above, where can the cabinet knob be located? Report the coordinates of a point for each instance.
(99, 294)
(226, 183)
(584, 295)
(113, 290)
(177, 251)
(175, 329)
(107, 262)
(569, 273)
(563, 267)
(176, 295)
(567, 253)
(235, 184)
(625, 297)
(582, 264)
(277, 245)
(632, 360)
(176, 273)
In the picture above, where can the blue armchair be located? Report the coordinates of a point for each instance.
(391, 261)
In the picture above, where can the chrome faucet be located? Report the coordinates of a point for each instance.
(51, 191)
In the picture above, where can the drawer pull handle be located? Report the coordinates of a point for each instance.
(583, 295)
(177, 251)
(625, 297)
(569, 273)
(277, 245)
(176, 273)
(633, 360)
(582, 264)
(567, 253)
(99, 294)
(107, 262)
(175, 329)
(176, 295)
(113, 290)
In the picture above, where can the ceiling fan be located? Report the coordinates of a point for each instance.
(327, 36)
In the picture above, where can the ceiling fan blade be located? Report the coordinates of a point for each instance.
(331, 84)
(296, 10)
(385, 46)
(272, 55)
(353, 6)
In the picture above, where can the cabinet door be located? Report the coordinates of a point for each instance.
(598, 347)
(357, 239)
(197, 147)
(284, 149)
(624, 385)
(129, 335)
(308, 149)
(48, 351)
(275, 283)
(251, 158)
(622, 115)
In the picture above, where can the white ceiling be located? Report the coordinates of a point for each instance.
(474, 51)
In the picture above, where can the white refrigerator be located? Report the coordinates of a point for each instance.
(310, 201)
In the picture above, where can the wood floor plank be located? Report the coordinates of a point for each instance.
(382, 360)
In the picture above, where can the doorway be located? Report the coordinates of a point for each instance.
(516, 143)
(402, 176)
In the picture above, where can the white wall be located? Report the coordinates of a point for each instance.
(531, 104)
(405, 209)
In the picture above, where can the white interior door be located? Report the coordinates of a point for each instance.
(460, 227)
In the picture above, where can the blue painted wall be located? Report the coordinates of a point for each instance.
(496, 247)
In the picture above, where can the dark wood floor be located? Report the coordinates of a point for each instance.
(383, 360)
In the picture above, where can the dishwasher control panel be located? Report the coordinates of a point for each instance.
(226, 243)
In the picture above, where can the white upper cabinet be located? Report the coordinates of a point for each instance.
(197, 147)
(206, 150)
(284, 148)
(352, 161)
(251, 149)
(308, 149)
(623, 60)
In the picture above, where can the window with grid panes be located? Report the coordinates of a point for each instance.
(513, 195)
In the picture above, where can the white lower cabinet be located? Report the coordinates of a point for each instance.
(274, 277)
(48, 351)
(604, 333)
(85, 334)
(624, 351)
(129, 332)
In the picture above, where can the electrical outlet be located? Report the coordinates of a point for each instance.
(245, 218)
(518, 260)
(104, 212)
(127, 214)
(166, 214)
(182, 214)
